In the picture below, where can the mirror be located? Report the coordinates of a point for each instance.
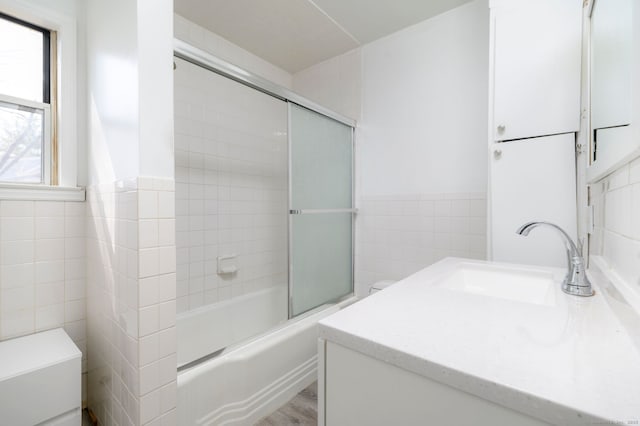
(613, 138)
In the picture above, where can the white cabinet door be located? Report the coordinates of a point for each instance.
(532, 180)
(361, 390)
(611, 63)
(536, 67)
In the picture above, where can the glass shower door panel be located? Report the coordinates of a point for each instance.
(321, 269)
(232, 203)
(321, 161)
(321, 259)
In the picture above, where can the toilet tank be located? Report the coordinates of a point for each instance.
(40, 380)
(380, 285)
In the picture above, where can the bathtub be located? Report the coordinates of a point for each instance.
(213, 328)
(247, 382)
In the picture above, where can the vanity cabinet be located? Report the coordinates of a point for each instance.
(361, 390)
(465, 342)
(536, 61)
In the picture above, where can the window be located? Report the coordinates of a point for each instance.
(26, 134)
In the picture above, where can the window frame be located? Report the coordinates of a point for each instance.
(60, 19)
(47, 139)
(48, 164)
(47, 59)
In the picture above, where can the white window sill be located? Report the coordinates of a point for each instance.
(40, 192)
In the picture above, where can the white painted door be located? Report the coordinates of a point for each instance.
(537, 56)
(611, 63)
(532, 180)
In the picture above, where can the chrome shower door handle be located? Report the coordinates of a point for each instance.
(321, 211)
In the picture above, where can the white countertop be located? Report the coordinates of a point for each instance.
(570, 361)
(29, 353)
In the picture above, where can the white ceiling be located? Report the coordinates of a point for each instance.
(296, 34)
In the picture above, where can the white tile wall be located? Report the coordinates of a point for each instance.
(112, 303)
(616, 236)
(42, 269)
(231, 188)
(397, 236)
(156, 301)
(131, 302)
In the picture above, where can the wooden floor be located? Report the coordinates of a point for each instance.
(301, 410)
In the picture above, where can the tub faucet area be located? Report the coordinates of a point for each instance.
(575, 282)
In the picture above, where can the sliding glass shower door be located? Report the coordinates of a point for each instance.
(264, 205)
(321, 209)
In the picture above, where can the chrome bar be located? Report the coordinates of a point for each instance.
(322, 211)
(289, 218)
(353, 216)
(205, 60)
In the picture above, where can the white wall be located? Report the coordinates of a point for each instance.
(112, 86)
(130, 233)
(212, 43)
(334, 83)
(129, 85)
(425, 106)
(397, 236)
(421, 100)
(155, 80)
(42, 269)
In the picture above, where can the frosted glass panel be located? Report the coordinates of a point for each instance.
(321, 259)
(321, 161)
(321, 182)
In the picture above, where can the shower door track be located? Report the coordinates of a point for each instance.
(320, 211)
(205, 60)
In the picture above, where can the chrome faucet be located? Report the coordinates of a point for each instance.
(576, 281)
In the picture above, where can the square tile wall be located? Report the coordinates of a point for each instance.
(231, 187)
(42, 269)
(112, 303)
(157, 360)
(616, 207)
(399, 235)
(131, 302)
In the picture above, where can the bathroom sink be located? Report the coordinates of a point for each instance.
(510, 283)
(502, 332)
